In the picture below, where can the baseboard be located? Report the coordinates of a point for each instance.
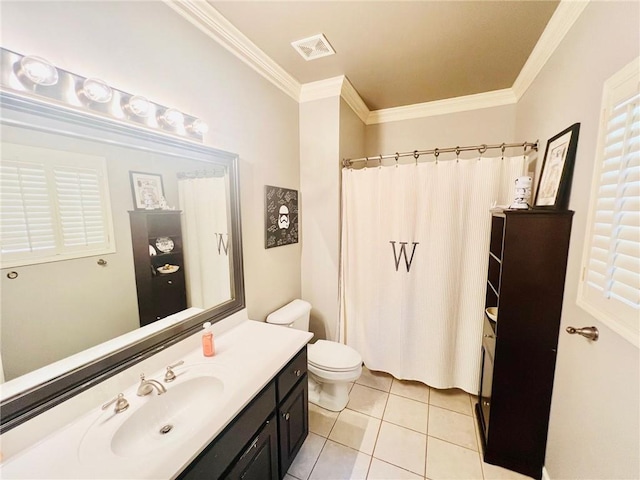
(545, 474)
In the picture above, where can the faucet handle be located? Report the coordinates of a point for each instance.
(121, 404)
(170, 376)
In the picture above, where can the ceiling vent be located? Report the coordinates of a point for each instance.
(313, 47)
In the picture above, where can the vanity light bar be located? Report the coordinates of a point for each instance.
(36, 76)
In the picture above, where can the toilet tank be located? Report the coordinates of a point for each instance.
(294, 314)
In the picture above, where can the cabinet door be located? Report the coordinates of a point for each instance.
(293, 423)
(220, 454)
(169, 294)
(260, 459)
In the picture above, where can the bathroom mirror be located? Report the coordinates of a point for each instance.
(73, 319)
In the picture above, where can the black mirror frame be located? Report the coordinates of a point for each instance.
(38, 399)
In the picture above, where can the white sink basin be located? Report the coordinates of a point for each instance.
(160, 421)
(167, 418)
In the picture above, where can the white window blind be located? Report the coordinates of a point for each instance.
(54, 205)
(610, 286)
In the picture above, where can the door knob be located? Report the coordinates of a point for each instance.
(591, 333)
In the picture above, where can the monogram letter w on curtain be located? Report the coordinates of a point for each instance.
(403, 252)
(413, 265)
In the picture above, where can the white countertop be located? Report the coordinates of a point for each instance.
(247, 358)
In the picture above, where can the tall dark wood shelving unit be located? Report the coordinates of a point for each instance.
(526, 275)
(159, 295)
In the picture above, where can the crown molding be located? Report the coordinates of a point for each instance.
(441, 107)
(207, 19)
(330, 87)
(566, 14)
(334, 87)
(353, 99)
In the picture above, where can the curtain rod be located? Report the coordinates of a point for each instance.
(348, 162)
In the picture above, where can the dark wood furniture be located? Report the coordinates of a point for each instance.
(526, 274)
(262, 441)
(159, 294)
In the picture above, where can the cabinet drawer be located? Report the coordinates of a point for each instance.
(219, 455)
(260, 459)
(290, 374)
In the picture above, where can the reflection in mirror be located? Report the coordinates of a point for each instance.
(81, 265)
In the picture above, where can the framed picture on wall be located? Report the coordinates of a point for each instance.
(148, 190)
(280, 216)
(554, 186)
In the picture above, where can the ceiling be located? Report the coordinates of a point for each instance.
(398, 53)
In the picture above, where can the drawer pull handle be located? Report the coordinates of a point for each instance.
(169, 282)
(251, 447)
(297, 372)
(286, 416)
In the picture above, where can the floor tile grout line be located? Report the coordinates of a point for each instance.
(426, 454)
(451, 443)
(454, 411)
(397, 466)
(317, 458)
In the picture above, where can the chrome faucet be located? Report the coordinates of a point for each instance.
(147, 386)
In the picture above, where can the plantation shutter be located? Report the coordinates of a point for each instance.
(54, 206)
(80, 207)
(611, 278)
(26, 224)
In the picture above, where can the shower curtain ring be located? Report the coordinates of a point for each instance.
(380, 161)
(482, 149)
(415, 155)
(397, 157)
(436, 153)
(502, 147)
(457, 154)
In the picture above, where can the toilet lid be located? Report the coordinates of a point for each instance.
(333, 356)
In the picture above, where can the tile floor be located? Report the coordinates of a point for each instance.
(395, 430)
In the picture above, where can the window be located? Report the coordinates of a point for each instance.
(610, 284)
(54, 205)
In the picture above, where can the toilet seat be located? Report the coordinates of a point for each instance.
(333, 356)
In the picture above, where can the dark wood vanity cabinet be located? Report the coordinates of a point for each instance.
(525, 280)
(293, 410)
(160, 294)
(262, 441)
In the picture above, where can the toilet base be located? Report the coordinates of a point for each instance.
(330, 396)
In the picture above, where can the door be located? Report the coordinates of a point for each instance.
(594, 428)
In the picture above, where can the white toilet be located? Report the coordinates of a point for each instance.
(332, 366)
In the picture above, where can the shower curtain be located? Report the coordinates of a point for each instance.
(203, 201)
(414, 262)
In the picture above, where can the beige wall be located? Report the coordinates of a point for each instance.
(147, 49)
(594, 428)
(319, 185)
(475, 127)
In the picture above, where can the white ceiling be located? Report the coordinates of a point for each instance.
(398, 53)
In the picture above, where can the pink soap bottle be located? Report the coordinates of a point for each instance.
(208, 347)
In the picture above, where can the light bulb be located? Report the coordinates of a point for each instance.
(139, 106)
(199, 127)
(96, 90)
(39, 71)
(173, 118)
